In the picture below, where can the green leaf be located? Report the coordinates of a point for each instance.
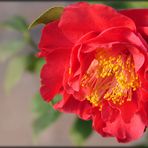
(14, 72)
(48, 16)
(17, 23)
(45, 115)
(56, 99)
(9, 49)
(80, 131)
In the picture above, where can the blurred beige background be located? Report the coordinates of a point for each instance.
(16, 108)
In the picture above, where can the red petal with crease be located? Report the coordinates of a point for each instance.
(125, 132)
(98, 124)
(125, 113)
(144, 32)
(118, 34)
(144, 112)
(52, 38)
(71, 105)
(81, 18)
(122, 35)
(108, 113)
(51, 76)
(139, 16)
(144, 94)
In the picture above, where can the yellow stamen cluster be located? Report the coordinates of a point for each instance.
(93, 98)
(112, 78)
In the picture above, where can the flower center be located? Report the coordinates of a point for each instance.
(110, 77)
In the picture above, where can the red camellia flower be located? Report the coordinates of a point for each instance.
(96, 58)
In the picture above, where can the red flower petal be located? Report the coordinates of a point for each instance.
(142, 73)
(52, 73)
(108, 113)
(138, 58)
(71, 105)
(126, 113)
(143, 111)
(144, 32)
(121, 36)
(140, 16)
(144, 95)
(126, 132)
(77, 55)
(81, 18)
(98, 124)
(52, 38)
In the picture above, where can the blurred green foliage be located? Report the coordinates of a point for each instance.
(17, 23)
(80, 131)
(8, 50)
(45, 115)
(118, 4)
(14, 72)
